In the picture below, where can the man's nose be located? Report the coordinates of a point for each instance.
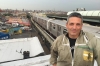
(74, 26)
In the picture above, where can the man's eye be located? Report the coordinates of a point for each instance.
(78, 24)
(71, 24)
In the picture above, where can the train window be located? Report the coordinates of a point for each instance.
(64, 31)
(53, 26)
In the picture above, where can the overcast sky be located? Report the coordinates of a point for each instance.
(63, 5)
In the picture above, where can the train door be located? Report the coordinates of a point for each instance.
(54, 29)
(50, 27)
(58, 30)
(48, 24)
(45, 24)
(42, 23)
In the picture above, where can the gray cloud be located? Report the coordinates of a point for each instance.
(64, 5)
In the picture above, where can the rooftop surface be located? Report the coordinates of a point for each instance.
(13, 49)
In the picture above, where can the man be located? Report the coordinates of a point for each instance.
(76, 47)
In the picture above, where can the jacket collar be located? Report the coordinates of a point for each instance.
(80, 38)
(81, 33)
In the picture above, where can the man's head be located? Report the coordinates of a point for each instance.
(74, 24)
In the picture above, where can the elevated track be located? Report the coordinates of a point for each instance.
(44, 33)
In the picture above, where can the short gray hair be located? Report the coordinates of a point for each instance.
(75, 14)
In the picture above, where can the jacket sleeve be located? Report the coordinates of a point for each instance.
(95, 44)
(54, 53)
(97, 51)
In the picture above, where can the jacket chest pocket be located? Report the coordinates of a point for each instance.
(84, 55)
(88, 55)
(64, 52)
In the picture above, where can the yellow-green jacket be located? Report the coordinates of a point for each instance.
(86, 50)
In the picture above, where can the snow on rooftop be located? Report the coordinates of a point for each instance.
(37, 61)
(13, 49)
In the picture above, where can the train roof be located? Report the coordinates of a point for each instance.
(44, 18)
(59, 22)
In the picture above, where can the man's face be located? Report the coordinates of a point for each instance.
(74, 26)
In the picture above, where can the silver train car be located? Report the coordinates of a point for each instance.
(56, 27)
(53, 26)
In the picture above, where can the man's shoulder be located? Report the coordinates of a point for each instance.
(89, 35)
(58, 40)
(60, 36)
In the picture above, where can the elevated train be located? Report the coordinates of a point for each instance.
(53, 26)
(58, 27)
